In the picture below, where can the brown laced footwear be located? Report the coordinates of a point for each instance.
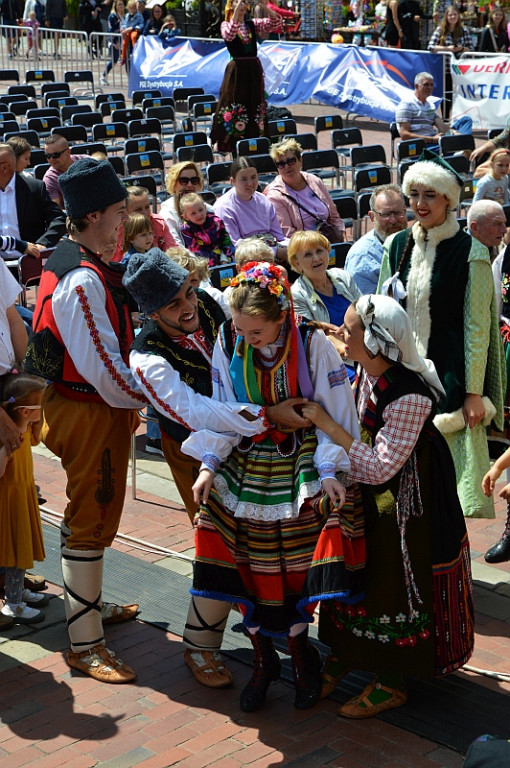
(360, 707)
(116, 614)
(208, 668)
(101, 664)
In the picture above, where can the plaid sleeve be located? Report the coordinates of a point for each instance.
(403, 422)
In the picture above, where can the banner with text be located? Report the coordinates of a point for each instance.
(365, 81)
(481, 89)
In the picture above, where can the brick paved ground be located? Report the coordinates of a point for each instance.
(51, 716)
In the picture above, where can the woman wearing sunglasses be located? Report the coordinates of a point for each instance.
(300, 199)
(182, 179)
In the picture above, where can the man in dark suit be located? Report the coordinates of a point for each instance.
(26, 210)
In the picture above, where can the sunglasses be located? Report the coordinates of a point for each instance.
(289, 161)
(55, 155)
(188, 180)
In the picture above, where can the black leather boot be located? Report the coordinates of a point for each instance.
(266, 669)
(500, 552)
(306, 667)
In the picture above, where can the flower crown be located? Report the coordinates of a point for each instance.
(267, 275)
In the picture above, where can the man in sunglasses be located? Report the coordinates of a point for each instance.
(388, 214)
(58, 155)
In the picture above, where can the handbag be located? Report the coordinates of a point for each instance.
(330, 231)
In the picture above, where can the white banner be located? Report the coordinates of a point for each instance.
(481, 90)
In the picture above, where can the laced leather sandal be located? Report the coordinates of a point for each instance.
(212, 672)
(330, 680)
(101, 664)
(360, 707)
(116, 614)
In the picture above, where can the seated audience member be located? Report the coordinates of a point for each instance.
(300, 199)
(320, 293)
(450, 37)
(416, 116)
(138, 236)
(494, 185)
(502, 140)
(203, 232)
(247, 212)
(22, 151)
(58, 155)
(29, 214)
(182, 178)
(138, 202)
(388, 214)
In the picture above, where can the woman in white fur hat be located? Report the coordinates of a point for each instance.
(443, 278)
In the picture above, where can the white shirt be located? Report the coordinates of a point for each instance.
(9, 290)
(72, 324)
(9, 215)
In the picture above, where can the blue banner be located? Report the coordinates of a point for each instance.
(366, 81)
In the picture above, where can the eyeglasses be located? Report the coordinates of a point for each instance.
(55, 155)
(389, 214)
(188, 180)
(290, 161)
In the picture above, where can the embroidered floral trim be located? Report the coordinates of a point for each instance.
(235, 119)
(326, 469)
(260, 118)
(101, 351)
(400, 630)
(211, 461)
(164, 406)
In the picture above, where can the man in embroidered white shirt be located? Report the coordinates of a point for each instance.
(80, 342)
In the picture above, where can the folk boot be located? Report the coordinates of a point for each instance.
(500, 552)
(306, 667)
(266, 669)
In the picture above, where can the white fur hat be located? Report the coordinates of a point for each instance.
(436, 173)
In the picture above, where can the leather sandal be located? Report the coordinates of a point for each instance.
(360, 707)
(116, 614)
(101, 664)
(212, 672)
(330, 682)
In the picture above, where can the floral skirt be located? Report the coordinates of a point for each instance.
(241, 111)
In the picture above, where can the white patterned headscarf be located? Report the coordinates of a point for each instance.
(388, 331)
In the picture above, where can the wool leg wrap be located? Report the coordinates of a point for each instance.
(83, 579)
(205, 624)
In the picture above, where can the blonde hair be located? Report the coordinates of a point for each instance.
(187, 260)
(136, 225)
(175, 171)
(300, 241)
(252, 250)
(191, 198)
(284, 146)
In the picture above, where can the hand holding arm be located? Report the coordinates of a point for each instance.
(286, 415)
(323, 421)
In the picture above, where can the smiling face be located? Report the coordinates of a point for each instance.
(245, 182)
(452, 17)
(353, 333)
(312, 263)
(289, 168)
(428, 206)
(180, 316)
(257, 330)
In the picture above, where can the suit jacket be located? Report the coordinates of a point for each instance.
(40, 220)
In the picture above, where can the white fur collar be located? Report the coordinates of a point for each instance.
(420, 277)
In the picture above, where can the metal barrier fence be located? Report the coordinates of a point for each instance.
(61, 51)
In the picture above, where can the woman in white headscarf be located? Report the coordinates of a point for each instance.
(417, 616)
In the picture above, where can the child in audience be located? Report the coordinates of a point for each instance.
(138, 202)
(199, 274)
(131, 30)
(203, 232)
(21, 539)
(138, 236)
(494, 185)
(169, 28)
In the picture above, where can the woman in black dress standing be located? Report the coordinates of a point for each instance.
(241, 111)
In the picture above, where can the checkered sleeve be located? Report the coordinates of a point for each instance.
(394, 443)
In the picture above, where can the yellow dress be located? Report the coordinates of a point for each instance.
(21, 536)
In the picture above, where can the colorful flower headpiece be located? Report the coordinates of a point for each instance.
(267, 275)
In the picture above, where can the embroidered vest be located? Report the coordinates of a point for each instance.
(193, 368)
(46, 354)
(238, 49)
(447, 294)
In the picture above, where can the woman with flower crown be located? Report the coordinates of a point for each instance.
(266, 536)
(241, 111)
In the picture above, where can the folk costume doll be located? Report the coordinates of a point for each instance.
(417, 616)
(241, 111)
(266, 537)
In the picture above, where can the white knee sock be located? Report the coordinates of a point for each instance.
(205, 624)
(83, 580)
